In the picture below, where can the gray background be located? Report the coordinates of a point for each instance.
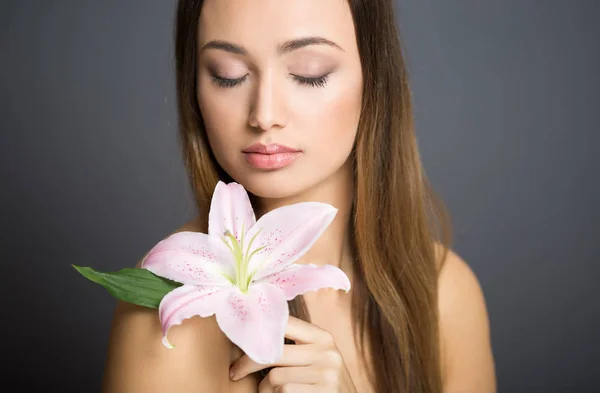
(507, 114)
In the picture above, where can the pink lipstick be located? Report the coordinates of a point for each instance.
(273, 156)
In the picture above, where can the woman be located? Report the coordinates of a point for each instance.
(321, 87)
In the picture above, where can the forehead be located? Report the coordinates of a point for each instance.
(262, 24)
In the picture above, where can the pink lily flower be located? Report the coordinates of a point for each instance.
(243, 270)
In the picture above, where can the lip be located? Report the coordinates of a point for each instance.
(273, 156)
(273, 148)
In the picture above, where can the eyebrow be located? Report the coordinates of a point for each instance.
(283, 48)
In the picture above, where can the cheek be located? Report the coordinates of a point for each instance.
(334, 120)
(221, 120)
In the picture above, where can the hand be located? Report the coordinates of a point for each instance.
(312, 365)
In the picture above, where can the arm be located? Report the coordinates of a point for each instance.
(467, 358)
(137, 361)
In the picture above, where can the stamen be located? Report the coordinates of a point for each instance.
(254, 252)
(227, 244)
(252, 241)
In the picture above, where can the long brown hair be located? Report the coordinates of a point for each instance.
(396, 216)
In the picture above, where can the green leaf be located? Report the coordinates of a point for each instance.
(132, 285)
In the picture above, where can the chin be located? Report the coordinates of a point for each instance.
(274, 185)
(290, 184)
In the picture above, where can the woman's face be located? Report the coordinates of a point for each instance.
(279, 72)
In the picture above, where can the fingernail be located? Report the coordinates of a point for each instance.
(232, 374)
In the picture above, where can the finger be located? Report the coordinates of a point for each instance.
(286, 375)
(299, 388)
(293, 355)
(302, 332)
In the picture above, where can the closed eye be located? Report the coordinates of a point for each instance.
(320, 81)
(226, 82)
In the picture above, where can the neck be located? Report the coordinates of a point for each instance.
(333, 247)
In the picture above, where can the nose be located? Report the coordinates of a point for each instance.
(268, 107)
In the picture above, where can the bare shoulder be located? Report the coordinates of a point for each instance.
(467, 356)
(137, 361)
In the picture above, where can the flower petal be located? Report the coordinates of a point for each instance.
(287, 233)
(188, 301)
(255, 321)
(298, 279)
(191, 258)
(230, 209)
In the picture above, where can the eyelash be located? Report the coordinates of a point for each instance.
(320, 81)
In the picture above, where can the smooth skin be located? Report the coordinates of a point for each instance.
(308, 97)
(312, 364)
(138, 362)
